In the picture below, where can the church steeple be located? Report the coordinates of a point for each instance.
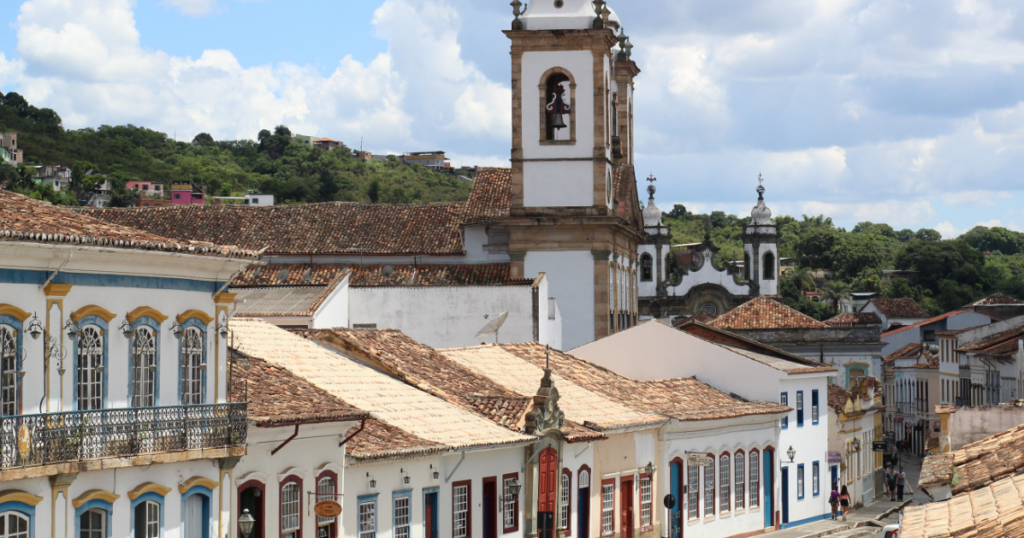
(760, 248)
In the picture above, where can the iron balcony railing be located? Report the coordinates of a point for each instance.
(52, 438)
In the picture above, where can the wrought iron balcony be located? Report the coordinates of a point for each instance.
(55, 438)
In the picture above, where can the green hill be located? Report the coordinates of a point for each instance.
(275, 164)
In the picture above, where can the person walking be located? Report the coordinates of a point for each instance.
(901, 482)
(833, 499)
(885, 480)
(844, 501)
(891, 479)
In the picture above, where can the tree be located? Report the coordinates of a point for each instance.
(120, 196)
(855, 253)
(802, 277)
(994, 239)
(203, 140)
(927, 234)
(936, 261)
(816, 246)
(678, 211)
(834, 292)
(373, 191)
(872, 228)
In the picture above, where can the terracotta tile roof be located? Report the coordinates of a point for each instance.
(683, 399)
(838, 396)
(439, 275)
(909, 351)
(850, 319)
(702, 316)
(1003, 344)
(772, 357)
(308, 229)
(491, 197)
(977, 464)
(387, 399)
(26, 220)
(378, 441)
(996, 299)
(278, 397)
(765, 313)
(899, 308)
(994, 511)
(929, 321)
(579, 404)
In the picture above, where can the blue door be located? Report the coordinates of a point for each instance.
(835, 477)
(769, 486)
(677, 492)
(785, 495)
(430, 514)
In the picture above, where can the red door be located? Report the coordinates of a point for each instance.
(547, 490)
(626, 498)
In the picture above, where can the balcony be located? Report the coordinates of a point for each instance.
(59, 443)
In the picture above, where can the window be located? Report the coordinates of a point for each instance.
(755, 478)
(769, 266)
(402, 516)
(646, 502)
(814, 406)
(646, 268)
(192, 367)
(709, 488)
(90, 368)
(800, 481)
(693, 491)
(784, 400)
(326, 490)
(856, 376)
(461, 523)
(558, 107)
(368, 517)
(746, 266)
(799, 409)
(741, 477)
(147, 520)
(291, 508)
(143, 356)
(13, 525)
(608, 508)
(815, 479)
(9, 374)
(929, 336)
(563, 500)
(724, 481)
(710, 308)
(511, 502)
(93, 524)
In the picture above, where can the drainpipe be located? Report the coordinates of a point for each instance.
(362, 424)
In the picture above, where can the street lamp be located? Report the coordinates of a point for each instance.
(513, 491)
(791, 453)
(649, 469)
(246, 523)
(856, 445)
(35, 329)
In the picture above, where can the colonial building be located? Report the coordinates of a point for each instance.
(855, 417)
(114, 410)
(913, 388)
(692, 279)
(895, 313)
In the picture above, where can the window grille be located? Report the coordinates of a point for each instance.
(290, 511)
(192, 367)
(646, 502)
(755, 478)
(143, 367)
(90, 375)
(741, 478)
(325, 491)
(725, 480)
(402, 518)
(709, 488)
(693, 492)
(563, 502)
(460, 500)
(368, 519)
(9, 375)
(607, 509)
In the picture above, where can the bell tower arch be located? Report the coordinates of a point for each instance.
(761, 248)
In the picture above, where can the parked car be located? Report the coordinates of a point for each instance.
(891, 531)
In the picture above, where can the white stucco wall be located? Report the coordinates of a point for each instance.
(707, 274)
(334, 312)
(570, 275)
(811, 445)
(581, 65)
(567, 183)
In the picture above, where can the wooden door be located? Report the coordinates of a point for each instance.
(490, 507)
(547, 490)
(626, 498)
(430, 515)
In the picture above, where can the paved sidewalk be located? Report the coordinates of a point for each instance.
(858, 518)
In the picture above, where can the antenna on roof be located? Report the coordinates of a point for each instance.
(493, 326)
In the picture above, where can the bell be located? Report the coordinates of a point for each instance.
(557, 122)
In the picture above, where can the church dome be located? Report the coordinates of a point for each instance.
(564, 15)
(761, 215)
(652, 215)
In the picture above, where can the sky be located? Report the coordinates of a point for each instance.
(908, 112)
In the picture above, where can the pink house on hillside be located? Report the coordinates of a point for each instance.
(187, 193)
(146, 188)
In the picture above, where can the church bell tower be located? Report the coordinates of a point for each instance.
(574, 213)
(761, 249)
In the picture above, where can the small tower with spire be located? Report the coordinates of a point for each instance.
(761, 248)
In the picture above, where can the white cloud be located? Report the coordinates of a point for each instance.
(10, 70)
(949, 231)
(193, 7)
(976, 198)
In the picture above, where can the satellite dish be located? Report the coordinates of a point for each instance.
(387, 270)
(493, 326)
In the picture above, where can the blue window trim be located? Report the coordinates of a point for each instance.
(784, 400)
(18, 328)
(152, 324)
(372, 497)
(26, 276)
(799, 409)
(193, 322)
(816, 479)
(407, 493)
(801, 481)
(141, 499)
(95, 503)
(105, 328)
(427, 491)
(815, 417)
(25, 510)
(207, 494)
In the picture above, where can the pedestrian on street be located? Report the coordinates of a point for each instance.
(833, 499)
(901, 482)
(885, 481)
(844, 500)
(891, 479)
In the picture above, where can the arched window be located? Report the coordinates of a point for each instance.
(725, 480)
(143, 356)
(13, 525)
(646, 267)
(93, 524)
(693, 491)
(755, 478)
(326, 490)
(769, 266)
(90, 368)
(147, 520)
(8, 371)
(291, 508)
(192, 366)
(558, 107)
(564, 502)
(739, 460)
(709, 487)
(746, 266)
(710, 308)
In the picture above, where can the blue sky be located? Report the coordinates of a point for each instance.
(909, 112)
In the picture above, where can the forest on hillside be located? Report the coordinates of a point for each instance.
(951, 273)
(272, 164)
